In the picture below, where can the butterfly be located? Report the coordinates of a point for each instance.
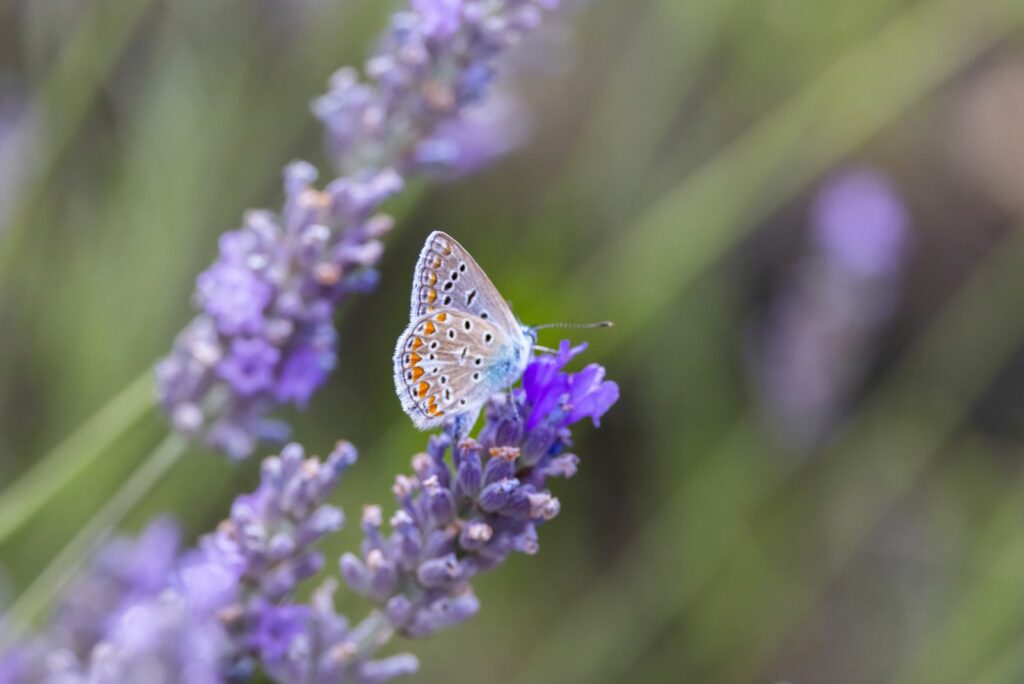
(463, 342)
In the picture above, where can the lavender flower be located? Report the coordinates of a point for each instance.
(226, 609)
(264, 335)
(433, 65)
(457, 519)
(815, 342)
(146, 612)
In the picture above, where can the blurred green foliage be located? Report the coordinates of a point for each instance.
(676, 152)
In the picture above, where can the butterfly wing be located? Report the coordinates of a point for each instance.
(447, 278)
(450, 363)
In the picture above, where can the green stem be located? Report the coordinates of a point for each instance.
(62, 569)
(24, 497)
(373, 632)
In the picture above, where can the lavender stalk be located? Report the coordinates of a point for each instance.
(264, 335)
(226, 609)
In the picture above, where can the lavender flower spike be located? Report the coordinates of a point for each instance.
(457, 518)
(264, 336)
(226, 611)
(435, 63)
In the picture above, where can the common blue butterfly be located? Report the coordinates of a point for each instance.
(463, 342)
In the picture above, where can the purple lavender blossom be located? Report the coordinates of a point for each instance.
(457, 518)
(226, 609)
(815, 343)
(434, 64)
(264, 335)
(146, 612)
(861, 223)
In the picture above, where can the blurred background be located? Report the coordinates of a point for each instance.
(805, 218)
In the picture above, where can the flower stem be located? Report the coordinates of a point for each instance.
(23, 498)
(373, 632)
(62, 569)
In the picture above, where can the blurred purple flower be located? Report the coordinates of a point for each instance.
(436, 62)
(482, 134)
(814, 344)
(861, 223)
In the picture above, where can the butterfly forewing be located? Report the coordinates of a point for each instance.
(447, 278)
(450, 362)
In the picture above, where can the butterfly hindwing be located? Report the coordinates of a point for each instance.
(447, 278)
(450, 362)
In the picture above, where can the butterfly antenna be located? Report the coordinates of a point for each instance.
(599, 324)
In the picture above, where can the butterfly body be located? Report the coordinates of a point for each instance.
(463, 343)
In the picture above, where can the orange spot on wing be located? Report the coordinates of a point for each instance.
(429, 328)
(432, 409)
(417, 373)
(437, 262)
(414, 359)
(447, 250)
(431, 296)
(416, 343)
(433, 279)
(442, 317)
(423, 388)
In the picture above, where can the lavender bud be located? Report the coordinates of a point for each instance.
(374, 671)
(470, 476)
(495, 496)
(438, 572)
(440, 504)
(562, 466)
(543, 506)
(355, 574)
(399, 610)
(498, 468)
(383, 575)
(475, 535)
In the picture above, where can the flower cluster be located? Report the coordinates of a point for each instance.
(457, 519)
(814, 345)
(433, 66)
(226, 609)
(264, 336)
(146, 612)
